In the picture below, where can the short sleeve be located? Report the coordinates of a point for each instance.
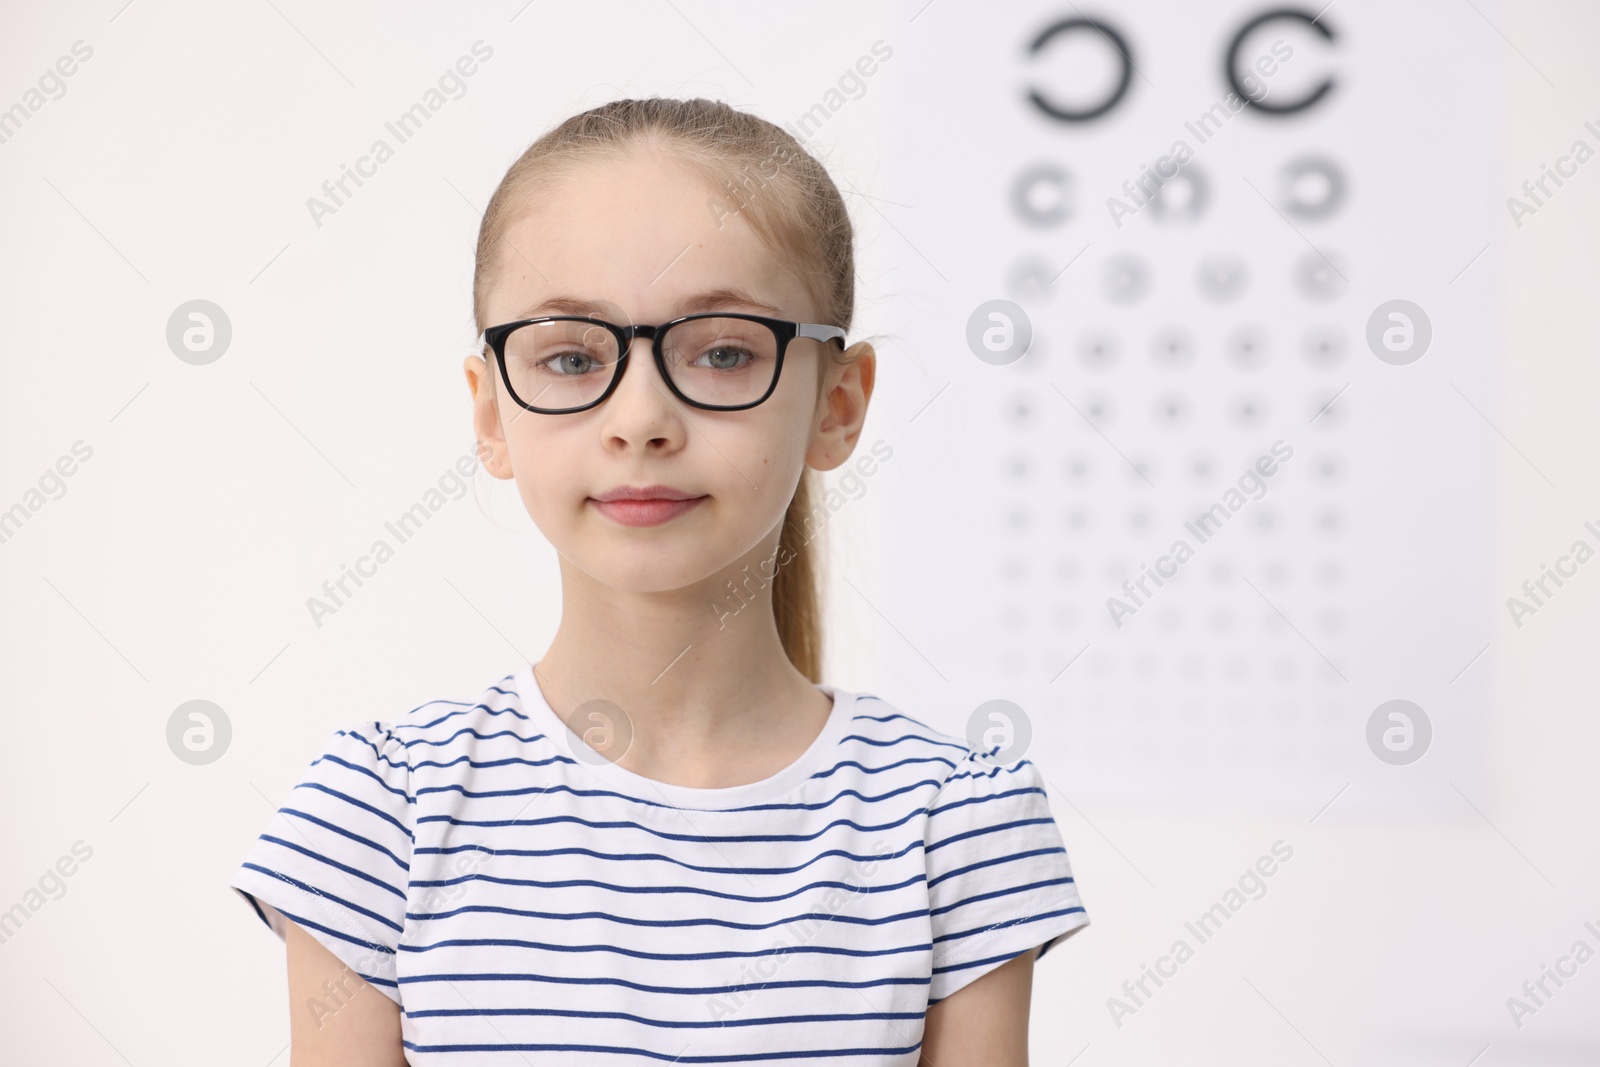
(336, 858)
(999, 882)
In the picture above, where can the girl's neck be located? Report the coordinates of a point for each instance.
(710, 696)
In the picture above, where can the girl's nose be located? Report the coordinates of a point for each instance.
(642, 410)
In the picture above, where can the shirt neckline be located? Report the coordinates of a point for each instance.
(638, 786)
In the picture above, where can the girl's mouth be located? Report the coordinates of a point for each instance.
(651, 512)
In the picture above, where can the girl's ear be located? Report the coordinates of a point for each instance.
(843, 410)
(492, 451)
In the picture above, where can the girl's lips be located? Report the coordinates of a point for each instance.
(643, 512)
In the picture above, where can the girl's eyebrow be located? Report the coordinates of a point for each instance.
(722, 298)
(719, 299)
(561, 305)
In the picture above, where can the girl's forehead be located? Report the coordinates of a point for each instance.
(642, 235)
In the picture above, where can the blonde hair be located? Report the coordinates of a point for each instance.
(786, 198)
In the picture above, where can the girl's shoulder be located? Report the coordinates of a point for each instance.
(497, 711)
(461, 733)
(882, 723)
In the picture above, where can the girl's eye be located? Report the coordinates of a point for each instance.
(724, 358)
(568, 364)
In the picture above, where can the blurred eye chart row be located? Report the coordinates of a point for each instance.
(1197, 326)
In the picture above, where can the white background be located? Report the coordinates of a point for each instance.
(219, 498)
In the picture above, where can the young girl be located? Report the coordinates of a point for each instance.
(666, 841)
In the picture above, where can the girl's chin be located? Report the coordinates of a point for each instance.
(647, 568)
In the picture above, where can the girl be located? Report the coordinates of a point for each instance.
(667, 840)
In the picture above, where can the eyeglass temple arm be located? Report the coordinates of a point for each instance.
(818, 332)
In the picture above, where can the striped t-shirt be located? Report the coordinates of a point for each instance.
(524, 906)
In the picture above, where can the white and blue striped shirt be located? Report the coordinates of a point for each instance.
(526, 907)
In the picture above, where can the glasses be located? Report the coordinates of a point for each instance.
(558, 364)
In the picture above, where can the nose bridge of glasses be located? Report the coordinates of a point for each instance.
(632, 334)
(644, 336)
(636, 335)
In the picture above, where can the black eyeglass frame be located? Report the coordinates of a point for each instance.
(783, 331)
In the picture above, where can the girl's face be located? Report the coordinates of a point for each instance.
(638, 240)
